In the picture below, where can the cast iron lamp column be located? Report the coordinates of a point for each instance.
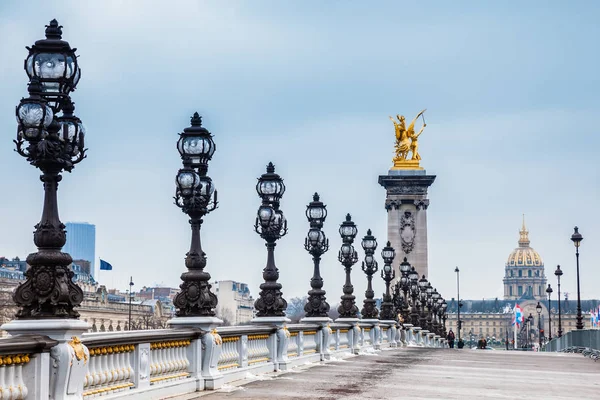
(558, 274)
(577, 238)
(53, 144)
(271, 225)
(444, 314)
(348, 257)
(423, 283)
(404, 282)
(435, 296)
(369, 267)
(196, 196)
(538, 308)
(549, 291)
(316, 244)
(429, 304)
(388, 274)
(130, 299)
(458, 322)
(414, 295)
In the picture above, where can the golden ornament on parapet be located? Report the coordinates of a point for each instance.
(217, 337)
(78, 348)
(407, 142)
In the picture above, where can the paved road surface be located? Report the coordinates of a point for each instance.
(420, 373)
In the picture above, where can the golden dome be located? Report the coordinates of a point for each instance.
(524, 256)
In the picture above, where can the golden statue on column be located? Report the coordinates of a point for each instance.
(407, 142)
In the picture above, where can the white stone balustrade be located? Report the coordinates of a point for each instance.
(12, 384)
(230, 353)
(168, 360)
(160, 363)
(109, 370)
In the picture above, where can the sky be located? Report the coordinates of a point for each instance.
(511, 91)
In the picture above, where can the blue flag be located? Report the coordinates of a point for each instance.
(105, 266)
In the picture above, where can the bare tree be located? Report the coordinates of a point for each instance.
(295, 309)
(226, 315)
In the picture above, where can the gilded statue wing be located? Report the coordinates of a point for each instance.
(411, 127)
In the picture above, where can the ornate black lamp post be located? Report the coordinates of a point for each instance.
(458, 321)
(271, 225)
(404, 284)
(130, 299)
(444, 315)
(538, 308)
(435, 296)
(196, 196)
(423, 283)
(549, 291)
(53, 144)
(528, 321)
(413, 276)
(428, 305)
(348, 257)
(577, 238)
(558, 274)
(388, 274)
(316, 244)
(369, 267)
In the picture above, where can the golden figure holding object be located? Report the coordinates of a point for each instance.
(407, 142)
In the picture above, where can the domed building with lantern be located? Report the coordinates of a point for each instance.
(524, 277)
(525, 283)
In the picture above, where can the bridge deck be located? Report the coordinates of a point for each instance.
(421, 373)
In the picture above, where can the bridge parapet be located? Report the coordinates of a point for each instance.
(167, 362)
(589, 338)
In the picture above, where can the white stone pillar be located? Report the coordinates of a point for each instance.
(353, 333)
(324, 334)
(210, 350)
(69, 358)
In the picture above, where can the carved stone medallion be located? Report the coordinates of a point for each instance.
(407, 231)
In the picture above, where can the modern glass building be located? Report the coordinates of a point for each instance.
(81, 243)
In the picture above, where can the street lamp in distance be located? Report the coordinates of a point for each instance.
(577, 238)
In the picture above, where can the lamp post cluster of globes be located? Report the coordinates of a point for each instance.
(51, 138)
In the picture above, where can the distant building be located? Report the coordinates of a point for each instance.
(524, 284)
(104, 310)
(157, 293)
(15, 264)
(236, 305)
(81, 243)
(524, 271)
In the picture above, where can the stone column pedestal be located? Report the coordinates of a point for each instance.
(206, 356)
(416, 334)
(431, 341)
(408, 339)
(282, 338)
(324, 334)
(391, 332)
(406, 203)
(69, 358)
(374, 333)
(354, 337)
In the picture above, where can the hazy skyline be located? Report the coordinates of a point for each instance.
(511, 91)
